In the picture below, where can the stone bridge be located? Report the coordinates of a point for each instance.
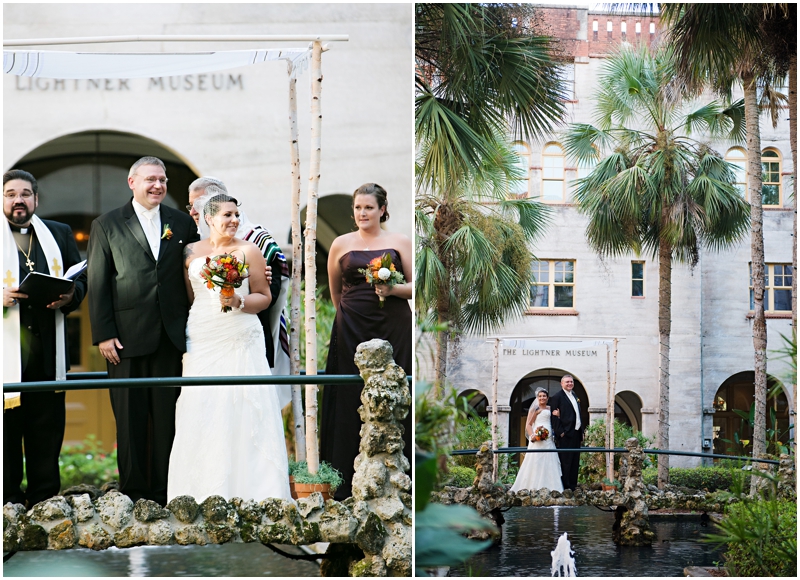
(369, 533)
(631, 502)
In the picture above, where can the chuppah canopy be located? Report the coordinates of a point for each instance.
(111, 65)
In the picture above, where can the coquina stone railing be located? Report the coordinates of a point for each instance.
(632, 502)
(369, 533)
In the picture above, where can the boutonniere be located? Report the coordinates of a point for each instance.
(167, 235)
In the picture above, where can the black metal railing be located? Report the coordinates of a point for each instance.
(89, 381)
(618, 450)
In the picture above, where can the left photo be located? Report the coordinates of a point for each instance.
(207, 284)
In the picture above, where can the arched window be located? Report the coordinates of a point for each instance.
(553, 173)
(738, 157)
(521, 187)
(770, 178)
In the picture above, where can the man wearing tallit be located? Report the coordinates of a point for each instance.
(34, 341)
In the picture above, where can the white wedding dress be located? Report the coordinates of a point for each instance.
(540, 470)
(228, 438)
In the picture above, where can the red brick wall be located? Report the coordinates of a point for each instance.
(563, 23)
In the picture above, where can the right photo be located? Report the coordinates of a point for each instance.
(605, 352)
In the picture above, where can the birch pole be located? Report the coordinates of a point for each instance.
(297, 252)
(312, 444)
(609, 417)
(495, 378)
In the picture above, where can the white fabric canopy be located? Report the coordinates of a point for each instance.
(109, 65)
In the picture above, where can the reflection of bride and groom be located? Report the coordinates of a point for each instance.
(550, 426)
(153, 315)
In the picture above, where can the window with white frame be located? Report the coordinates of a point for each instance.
(521, 187)
(566, 73)
(738, 158)
(554, 285)
(770, 178)
(637, 279)
(552, 173)
(778, 288)
(586, 166)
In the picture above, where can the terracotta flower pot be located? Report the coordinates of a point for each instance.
(292, 490)
(306, 489)
(607, 487)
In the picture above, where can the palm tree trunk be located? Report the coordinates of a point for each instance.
(757, 249)
(664, 329)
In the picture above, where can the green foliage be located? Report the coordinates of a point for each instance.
(459, 476)
(326, 313)
(707, 478)
(760, 532)
(439, 529)
(326, 474)
(87, 463)
(470, 435)
(593, 465)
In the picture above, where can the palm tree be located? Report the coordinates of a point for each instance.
(481, 77)
(658, 190)
(720, 45)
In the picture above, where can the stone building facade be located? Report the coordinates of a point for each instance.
(591, 300)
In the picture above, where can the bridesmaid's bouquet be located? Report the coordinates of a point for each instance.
(226, 272)
(540, 433)
(381, 270)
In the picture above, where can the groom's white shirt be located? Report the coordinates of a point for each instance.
(151, 232)
(572, 400)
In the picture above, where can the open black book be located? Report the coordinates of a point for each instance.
(44, 289)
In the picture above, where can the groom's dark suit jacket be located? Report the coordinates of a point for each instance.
(566, 421)
(131, 294)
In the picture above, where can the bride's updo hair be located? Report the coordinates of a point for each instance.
(380, 195)
(217, 199)
(541, 390)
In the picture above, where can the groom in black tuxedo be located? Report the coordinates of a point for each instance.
(139, 306)
(568, 429)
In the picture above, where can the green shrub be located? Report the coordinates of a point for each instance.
(87, 463)
(761, 538)
(707, 478)
(593, 465)
(461, 476)
(470, 435)
(325, 474)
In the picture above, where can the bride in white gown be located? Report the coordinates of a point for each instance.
(228, 438)
(539, 470)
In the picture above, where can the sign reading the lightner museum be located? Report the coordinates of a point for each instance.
(199, 82)
(536, 348)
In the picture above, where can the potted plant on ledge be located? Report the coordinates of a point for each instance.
(303, 483)
(609, 485)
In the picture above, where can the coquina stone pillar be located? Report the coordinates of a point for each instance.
(632, 527)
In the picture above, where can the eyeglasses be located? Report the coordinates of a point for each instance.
(152, 180)
(25, 195)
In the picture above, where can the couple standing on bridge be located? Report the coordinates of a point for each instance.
(557, 425)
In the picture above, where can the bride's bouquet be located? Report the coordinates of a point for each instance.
(226, 272)
(540, 433)
(381, 270)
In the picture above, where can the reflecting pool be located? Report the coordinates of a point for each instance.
(531, 533)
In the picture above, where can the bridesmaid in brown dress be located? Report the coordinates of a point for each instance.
(359, 318)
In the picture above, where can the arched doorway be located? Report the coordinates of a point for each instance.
(81, 176)
(476, 401)
(334, 218)
(523, 396)
(628, 409)
(733, 433)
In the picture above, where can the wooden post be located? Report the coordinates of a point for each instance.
(609, 417)
(495, 378)
(312, 443)
(297, 257)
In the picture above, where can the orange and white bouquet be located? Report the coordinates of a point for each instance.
(381, 270)
(226, 272)
(540, 433)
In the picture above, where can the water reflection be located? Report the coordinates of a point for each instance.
(530, 534)
(212, 560)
